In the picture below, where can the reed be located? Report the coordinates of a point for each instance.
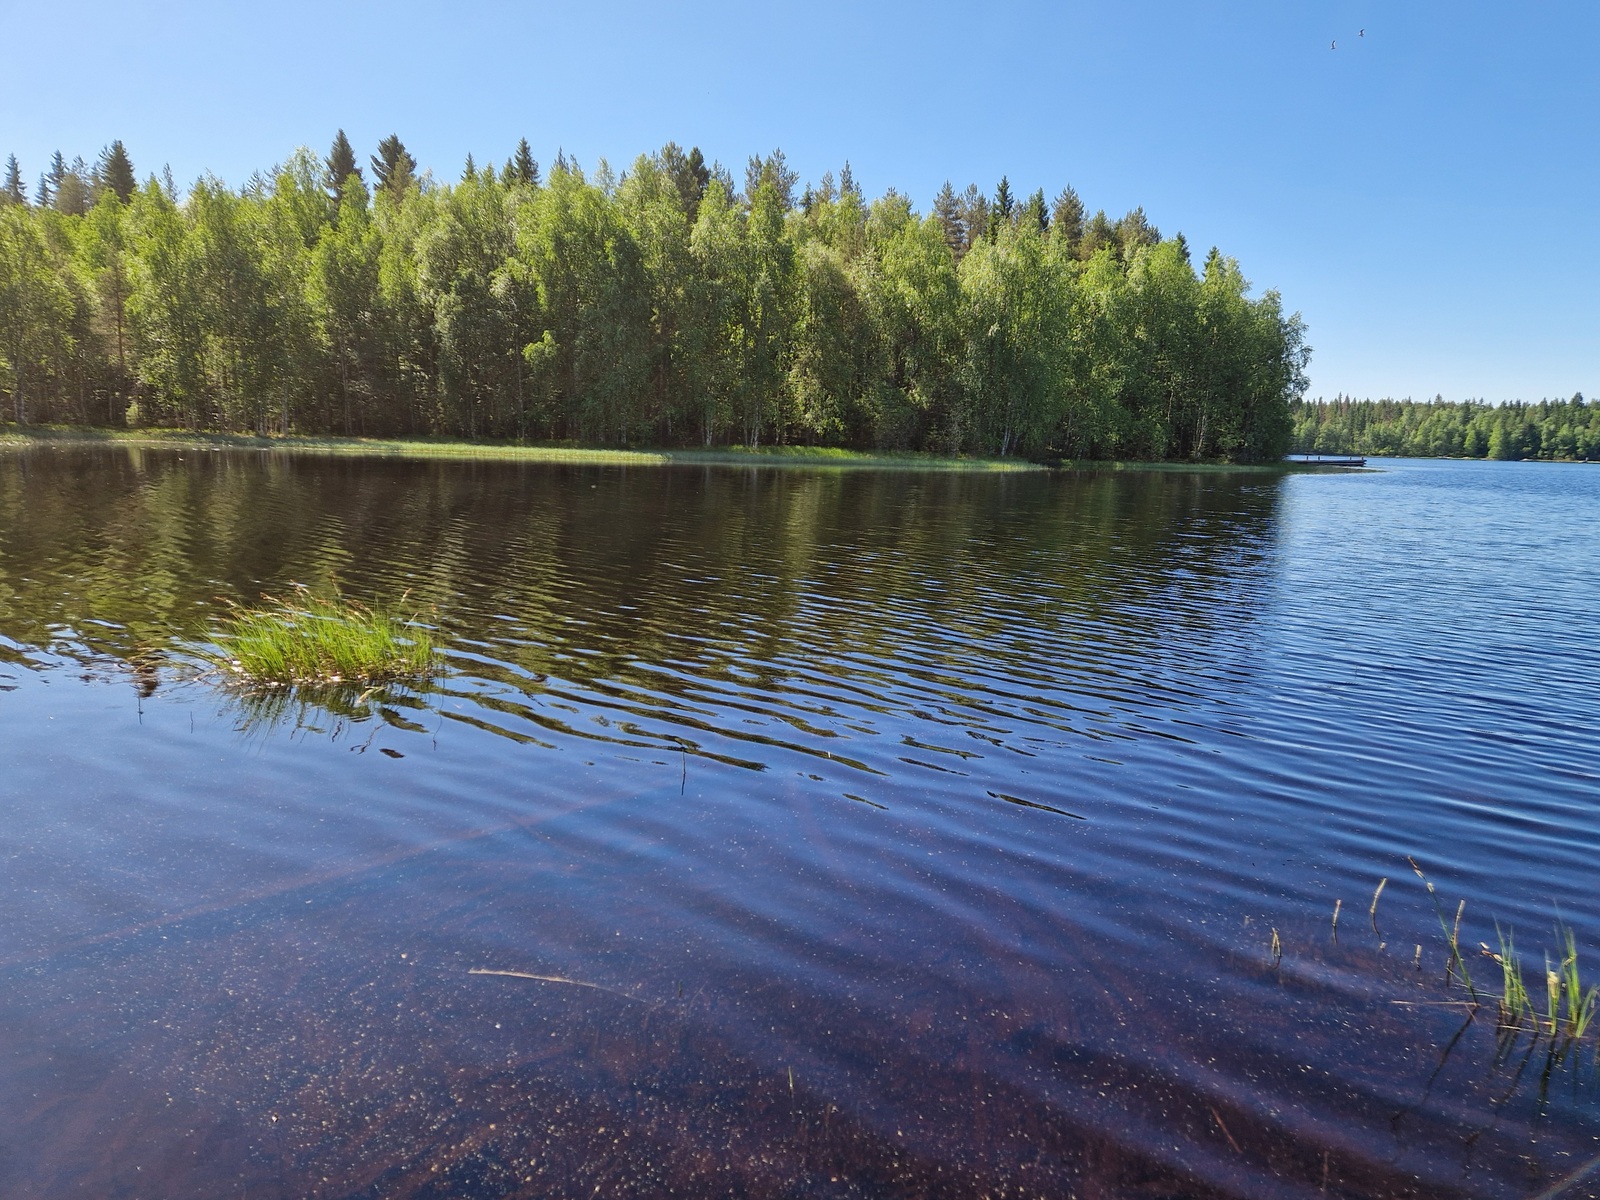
(311, 640)
(1568, 1010)
(1577, 1006)
(1515, 1005)
(1458, 965)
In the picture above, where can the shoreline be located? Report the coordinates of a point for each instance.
(14, 437)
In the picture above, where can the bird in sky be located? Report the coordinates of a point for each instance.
(1333, 45)
(1363, 33)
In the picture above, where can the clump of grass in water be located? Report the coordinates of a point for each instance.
(317, 641)
(1568, 1010)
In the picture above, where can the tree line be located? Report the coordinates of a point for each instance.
(1438, 428)
(666, 305)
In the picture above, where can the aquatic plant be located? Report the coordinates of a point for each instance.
(1458, 965)
(1568, 1010)
(312, 640)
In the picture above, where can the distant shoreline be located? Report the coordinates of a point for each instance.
(15, 437)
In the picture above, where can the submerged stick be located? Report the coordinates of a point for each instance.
(1373, 911)
(599, 987)
(1218, 1117)
(1336, 905)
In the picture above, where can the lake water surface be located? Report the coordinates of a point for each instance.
(797, 833)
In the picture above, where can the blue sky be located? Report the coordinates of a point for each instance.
(1426, 195)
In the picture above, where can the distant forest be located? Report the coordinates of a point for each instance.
(1437, 428)
(666, 305)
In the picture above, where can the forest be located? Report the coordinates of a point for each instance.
(1437, 428)
(666, 305)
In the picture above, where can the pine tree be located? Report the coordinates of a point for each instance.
(847, 183)
(773, 169)
(1135, 230)
(392, 167)
(114, 172)
(470, 171)
(974, 216)
(11, 191)
(699, 172)
(524, 167)
(341, 165)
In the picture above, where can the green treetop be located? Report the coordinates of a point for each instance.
(393, 167)
(114, 172)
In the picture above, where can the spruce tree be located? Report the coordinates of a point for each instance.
(690, 174)
(11, 191)
(50, 182)
(114, 172)
(1066, 217)
(1036, 211)
(1004, 202)
(393, 167)
(947, 207)
(524, 167)
(341, 165)
(71, 187)
(1097, 234)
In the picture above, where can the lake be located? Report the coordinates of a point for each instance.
(788, 832)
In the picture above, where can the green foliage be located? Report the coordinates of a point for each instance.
(313, 640)
(1552, 430)
(659, 307)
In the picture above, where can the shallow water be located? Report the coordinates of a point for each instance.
(831, 832)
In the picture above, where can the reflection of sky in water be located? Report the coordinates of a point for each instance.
(766, 776)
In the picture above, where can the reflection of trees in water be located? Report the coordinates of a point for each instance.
(647, 580)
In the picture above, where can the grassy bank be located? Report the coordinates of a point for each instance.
(777, 456)
(12, 436)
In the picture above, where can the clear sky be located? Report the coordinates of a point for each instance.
(1425, 195)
